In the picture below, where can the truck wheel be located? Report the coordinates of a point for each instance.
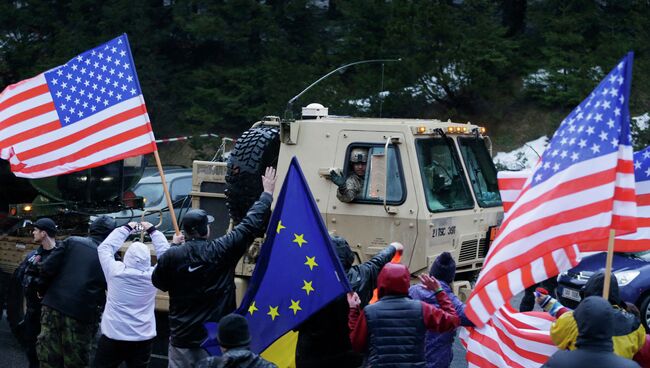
(15, 304)
(256, 149)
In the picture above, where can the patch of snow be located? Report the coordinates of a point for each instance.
(641, 121)
(521, 158)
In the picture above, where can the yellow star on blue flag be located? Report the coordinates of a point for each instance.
(310, 273)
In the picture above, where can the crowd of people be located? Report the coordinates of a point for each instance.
(78, 285)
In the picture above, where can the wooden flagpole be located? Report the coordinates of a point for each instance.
(608, 263)
(170, 205)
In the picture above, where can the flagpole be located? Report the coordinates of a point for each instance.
(170, 205)
(608, 263)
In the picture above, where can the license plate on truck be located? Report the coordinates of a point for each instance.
(571, 294)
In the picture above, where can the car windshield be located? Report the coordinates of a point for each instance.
(645, 255)
(444, 183)
(481, 170)
(152, 193)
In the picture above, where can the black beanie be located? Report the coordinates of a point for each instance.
(233, 331)
(343, 251)
(444, 268)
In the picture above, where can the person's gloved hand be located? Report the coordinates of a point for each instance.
(337, 178)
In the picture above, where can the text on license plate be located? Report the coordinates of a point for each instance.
(571, 294)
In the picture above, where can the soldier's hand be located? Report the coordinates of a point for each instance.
(429, 282)
(133, 225)
(353, 300)
(399, 248)
(178, 239)
(146, 225)
(337, 178)
(268, 180)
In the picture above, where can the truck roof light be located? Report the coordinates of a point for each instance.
(27, 208)
(422, 129)
(482, 130)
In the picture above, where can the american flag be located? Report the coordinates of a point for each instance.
(511, 183)
(582, 187)
(510, 339)
(85, 113)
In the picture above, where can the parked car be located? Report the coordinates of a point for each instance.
(632, 272)
(179, 183)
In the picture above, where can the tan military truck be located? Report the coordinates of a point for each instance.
(429, 184)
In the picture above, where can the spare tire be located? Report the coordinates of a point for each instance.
(254, 151)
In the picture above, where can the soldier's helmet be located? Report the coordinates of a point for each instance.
(359, 155)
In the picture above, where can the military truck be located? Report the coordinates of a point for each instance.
(429, 184)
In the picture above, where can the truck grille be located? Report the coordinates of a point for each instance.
(468, 250)
(482, 248)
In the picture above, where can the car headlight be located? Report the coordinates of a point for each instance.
(625, 277)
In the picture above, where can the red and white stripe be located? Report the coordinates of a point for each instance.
(510, 185)
(37, 145)
(510, 339)
(512, 182)
(537, 237)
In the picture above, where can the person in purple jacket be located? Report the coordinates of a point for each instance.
(438, 346)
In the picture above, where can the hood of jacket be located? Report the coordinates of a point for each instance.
(393, 279)
(595, 285)
(595, 317)
(138, 257)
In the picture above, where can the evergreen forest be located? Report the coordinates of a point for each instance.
(208, 66)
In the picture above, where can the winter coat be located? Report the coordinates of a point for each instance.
(438, 346)
(236, 358)
(72, 280)
(131, 297)
(596, 323)
(391, 331)
(200, 276)
(628, 335)
(323, 340)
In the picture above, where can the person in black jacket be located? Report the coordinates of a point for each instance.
(199, 275)
(323, 339)
(594, 347)
(73, 289)
(28, 274)
(234, 339)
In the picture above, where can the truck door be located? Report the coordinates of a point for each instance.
(368, 222)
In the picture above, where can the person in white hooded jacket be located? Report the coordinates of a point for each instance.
(128, 322)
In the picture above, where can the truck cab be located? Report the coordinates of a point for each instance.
(429, 184)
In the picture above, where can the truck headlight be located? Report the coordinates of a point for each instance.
(625, 277)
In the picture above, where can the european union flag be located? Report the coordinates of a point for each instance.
(298, 271)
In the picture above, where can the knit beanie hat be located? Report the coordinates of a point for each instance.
(233, 331)
(343, 251)
(444, 268)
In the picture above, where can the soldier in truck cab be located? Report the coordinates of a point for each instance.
(350, 188)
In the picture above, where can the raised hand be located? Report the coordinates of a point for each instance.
(337, 178)
(146, 225)
(429, 282)
(268, 180)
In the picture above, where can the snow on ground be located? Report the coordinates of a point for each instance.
(527, 155)
(524, 157)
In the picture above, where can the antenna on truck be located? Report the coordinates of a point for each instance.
(288, 114)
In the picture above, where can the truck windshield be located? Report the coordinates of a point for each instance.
(481, 170)
(444, 184)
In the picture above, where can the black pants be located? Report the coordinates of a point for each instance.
(111, 353)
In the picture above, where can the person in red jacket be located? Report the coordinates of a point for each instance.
(391, 331)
